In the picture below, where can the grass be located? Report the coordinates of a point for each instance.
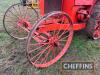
(86, 47)
(4, 4)
(13, 60)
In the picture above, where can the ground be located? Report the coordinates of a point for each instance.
(13, 59)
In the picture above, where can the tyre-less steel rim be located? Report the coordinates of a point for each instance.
(96, 34)
(18, 19)
(46, 47)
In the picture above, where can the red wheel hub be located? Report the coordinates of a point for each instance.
(53, 41)
(23, 22)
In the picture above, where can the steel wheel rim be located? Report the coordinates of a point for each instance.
(96, 34)
(61, 53)
(11, 15)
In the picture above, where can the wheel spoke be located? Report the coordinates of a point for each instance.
(53, 52)
(42, 37)
(36, 48)
(59, 31)
(40, 54)
(15, 10)
(36, 44)
(64, 32)
(64, 38)
(23, 28)
(12, 21)
(19, 10)
(13, 14)
(58, 40)
(26, 12)
(9, 16)
(46, 56)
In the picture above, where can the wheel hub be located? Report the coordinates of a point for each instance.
(53, 41)
(24, 23)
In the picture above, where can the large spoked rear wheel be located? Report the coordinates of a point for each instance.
(93, 27)
(18, 20)
(49, 39)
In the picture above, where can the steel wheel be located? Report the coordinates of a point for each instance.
(96, 34)
(18, 20)
(93, 26)
(46, 46)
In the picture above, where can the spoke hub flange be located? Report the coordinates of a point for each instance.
(24, 23)
(53, 40)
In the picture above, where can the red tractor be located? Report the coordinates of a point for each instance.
(49, 36)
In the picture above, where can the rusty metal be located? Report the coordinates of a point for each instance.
(59, 19)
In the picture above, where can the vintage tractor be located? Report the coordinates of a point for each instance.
(49, 25)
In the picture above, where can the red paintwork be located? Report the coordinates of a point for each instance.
(41, 6)
(84, 2)
(52, 37)
(43, 31)
(24, 23)
(79, 12)
(72, 7)
(50, 27)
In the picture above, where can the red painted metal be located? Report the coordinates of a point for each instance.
(18, 20)
(41, 6)
(79, 12)
(24, 22)
(72, 8)
(68, 16)
(50, 27)
(84, 2)
(54, 43)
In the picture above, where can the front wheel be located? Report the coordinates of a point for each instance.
(18, 20)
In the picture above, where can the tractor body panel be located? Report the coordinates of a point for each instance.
(52, 5)
(69, 6)
(84, 2)
(47, 6)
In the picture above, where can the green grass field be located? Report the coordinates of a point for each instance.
(13, 60)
